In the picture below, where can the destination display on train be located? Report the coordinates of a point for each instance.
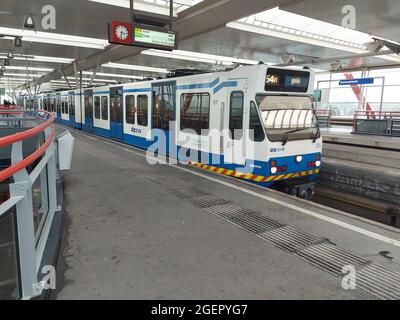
(287, 80)
(154, 38)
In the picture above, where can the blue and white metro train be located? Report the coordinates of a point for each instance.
(263, 116)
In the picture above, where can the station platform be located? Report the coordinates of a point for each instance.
(140, 231)
(342, 135)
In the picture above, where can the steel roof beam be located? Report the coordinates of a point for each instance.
(336, 59)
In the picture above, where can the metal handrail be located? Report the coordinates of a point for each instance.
(31, 246)
(5, 141)
(11, 170)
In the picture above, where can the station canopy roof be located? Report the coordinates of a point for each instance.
(213, 35)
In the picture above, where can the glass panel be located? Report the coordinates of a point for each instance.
(89, 106)
(97, 107)
(40, 203)
(104, 108)
(116, 114)
(130, 109)
(157, 107)
(142, 110)
(163, 105)
(236, 115)
(72, 104)
(9, 282)
(284, 116)
(255, 124)
(195, 109)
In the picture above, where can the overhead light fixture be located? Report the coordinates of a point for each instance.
(3, 68)
(29, 23)
(198, 57)
(10, 55)
(6, 62)
(53, 38)
(134, 67)
(17, 42)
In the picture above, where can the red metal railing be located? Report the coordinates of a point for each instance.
(376, 115)
(5, 141)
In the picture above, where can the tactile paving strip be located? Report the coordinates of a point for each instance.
(370, 277)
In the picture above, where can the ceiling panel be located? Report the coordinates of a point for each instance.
(380, 18)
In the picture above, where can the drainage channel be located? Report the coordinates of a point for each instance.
(372, 278)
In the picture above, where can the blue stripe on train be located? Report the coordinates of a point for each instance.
(255, 167)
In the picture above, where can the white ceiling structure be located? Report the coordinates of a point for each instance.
(211, 37)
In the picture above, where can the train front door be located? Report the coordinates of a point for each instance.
(163, 113)
(235, 147)
(116, 125)
(88, 107)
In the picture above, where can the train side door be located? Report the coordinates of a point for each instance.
(71, 111)
(58, 105)
(88, 107)
(234, 144)
(163, 112)
(116, 125)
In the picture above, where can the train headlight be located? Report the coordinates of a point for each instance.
(318, 163)
(299, 159)
(274, 170)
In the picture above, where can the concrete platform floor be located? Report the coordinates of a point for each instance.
(125, 238)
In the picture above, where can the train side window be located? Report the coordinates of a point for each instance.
(142, 110)
(130, 109)
(236, 115)
(195, 111)
(66, 107)
(255, 124)
(97, 107)
(104, 107)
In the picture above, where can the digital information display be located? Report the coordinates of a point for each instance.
(126, 33)
(287, 80)
(2, 91)
(154, 38)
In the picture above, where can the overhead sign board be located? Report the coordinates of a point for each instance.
(352, 82)
(154, 38)
(126, 33)
(2, 91)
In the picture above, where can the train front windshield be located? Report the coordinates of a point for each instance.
(287, 117)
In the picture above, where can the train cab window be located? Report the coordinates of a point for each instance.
(97, 107)
(195, 111)
(142, 110)
(104, 107)
(236, 115)
(130, 109)
(257, 134)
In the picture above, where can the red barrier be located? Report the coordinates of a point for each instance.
(5, 141)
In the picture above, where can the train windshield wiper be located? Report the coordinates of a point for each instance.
(317, 133)
(290, 133)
